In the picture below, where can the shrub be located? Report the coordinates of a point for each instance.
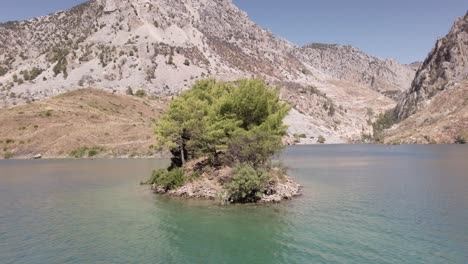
(321, 140)
(300, 136)
(170, 61)
(8, 155)
(331, 110)
(167, 179)
(82, 152)
(129, 91)
(460, 139)
(384, 121)
(93, 152)
(3, 71)
(187, 62)
(140, 93)
(79, 153)
(31, 75)
(247, 184)
(60, 57)
(46, 113)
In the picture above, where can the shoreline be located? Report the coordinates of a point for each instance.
(209, 188)
(166, 156)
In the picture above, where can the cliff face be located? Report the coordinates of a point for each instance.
(446, 65)
(435, 108)
(164, 46)
(351, 64)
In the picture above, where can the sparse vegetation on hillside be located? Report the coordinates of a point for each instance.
(58, 126)
(383, 121)
(32, 74)
(83, 152)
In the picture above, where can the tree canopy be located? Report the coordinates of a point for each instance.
(215, 117)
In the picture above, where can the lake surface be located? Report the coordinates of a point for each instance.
(360, 204)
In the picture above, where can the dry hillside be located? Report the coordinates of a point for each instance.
(109, 125)
(435, 108)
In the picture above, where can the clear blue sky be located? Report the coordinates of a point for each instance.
(404, 30)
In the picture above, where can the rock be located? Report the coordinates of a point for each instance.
(157, 189)
(445, 65)
(281, 191)
(434, 109)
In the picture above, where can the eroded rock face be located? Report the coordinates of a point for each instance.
(110, 5)
(351, 64)
(446, 65)
(435, 109)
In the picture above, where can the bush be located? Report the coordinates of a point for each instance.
(8, 155)
(170, 61)
(140, 93)
(129, 91)
(46, 113)
(167, 179)
(31, 75)
(384, 121)
(321, 140)
(82, 152)
(3, 71)
(300, 136)
(460, 139)
(247, 184)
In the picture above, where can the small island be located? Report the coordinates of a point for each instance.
(222, 137)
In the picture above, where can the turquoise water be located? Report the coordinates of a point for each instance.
(360, 204)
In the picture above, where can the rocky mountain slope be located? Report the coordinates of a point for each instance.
(351, 64)
(435, 108)
(163, 46)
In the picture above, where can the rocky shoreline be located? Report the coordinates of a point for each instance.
(209, 188)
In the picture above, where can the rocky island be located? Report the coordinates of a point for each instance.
(222, 137)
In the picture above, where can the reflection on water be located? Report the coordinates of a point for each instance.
(360, 204)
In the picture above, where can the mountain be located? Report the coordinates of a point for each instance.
(349, 63)
(163, 46)
(435, 108)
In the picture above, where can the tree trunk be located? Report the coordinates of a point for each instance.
(182, 154)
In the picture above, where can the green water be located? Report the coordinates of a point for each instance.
(360, 204)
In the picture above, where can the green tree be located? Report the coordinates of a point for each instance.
(206, 119)
(384, 121)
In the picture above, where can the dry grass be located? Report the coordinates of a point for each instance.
(120, 125)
